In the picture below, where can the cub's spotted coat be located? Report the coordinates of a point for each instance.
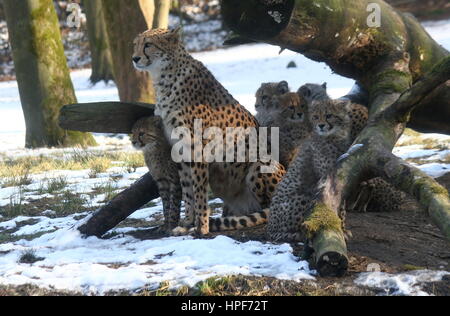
(296, 193)
(148, 136)
(289, 113)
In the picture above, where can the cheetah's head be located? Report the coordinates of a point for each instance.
(291, 107)
(146, 132)
(154, 49)
(330, 117)
(267, 90)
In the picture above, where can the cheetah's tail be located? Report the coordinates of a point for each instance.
(238, 222)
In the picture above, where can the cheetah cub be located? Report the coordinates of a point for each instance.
(289, 112)
(330, 138)
(313, 92)
(148, 136)
(358, 113)
(264, 96)
(376, 194)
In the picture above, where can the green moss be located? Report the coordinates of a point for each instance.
(410, 267)
(391, 81)
(425, 184)
(321, 217)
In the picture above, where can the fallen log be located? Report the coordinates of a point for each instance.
(122, 206)
(103, 117)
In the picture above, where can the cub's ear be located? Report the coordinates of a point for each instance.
(283, 87)
(324, 85)
(304, 91)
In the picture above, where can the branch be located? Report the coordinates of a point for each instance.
(412, 98)
(122, 206)
(430, 194)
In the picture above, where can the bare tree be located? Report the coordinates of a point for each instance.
(102, 65)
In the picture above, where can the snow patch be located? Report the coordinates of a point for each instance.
(406, 284)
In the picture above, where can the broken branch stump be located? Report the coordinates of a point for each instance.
(103, 117)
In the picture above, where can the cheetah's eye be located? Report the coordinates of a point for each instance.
(147, 45)
(315, 117)
(329, 116)
(141, 135)
(265, 98)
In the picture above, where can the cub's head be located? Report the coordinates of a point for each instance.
(154, 49)
(291, 107)
(330, 117)
(147, 132)
(313, 92)
(267, 90)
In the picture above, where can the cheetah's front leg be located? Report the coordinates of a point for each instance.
(200, 181)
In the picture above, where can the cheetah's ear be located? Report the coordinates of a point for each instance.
(177, 31)
(283, 87)
(175, 35)
(304, 91)
(324, 85)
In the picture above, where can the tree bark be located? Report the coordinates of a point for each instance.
(337, 33)
(90, 117)
(102, 65)
(122, 206)
(125, 21)
(161, 18)
(42, 73)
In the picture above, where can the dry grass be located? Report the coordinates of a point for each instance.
(18, 171)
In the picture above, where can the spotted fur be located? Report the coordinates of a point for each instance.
(289, 113)
(148, 136)
(186, 91)
(313, 92)
(264, 95)
(296, 193)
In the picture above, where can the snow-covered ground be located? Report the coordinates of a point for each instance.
(123, 262)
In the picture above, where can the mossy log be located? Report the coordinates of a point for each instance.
(337, 33)
(103, 117)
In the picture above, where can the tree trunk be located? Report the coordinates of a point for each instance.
(125, 20)
(148, 9)
(337, 33)
(385, 61)
(102, 65)
(42, 72)
(161, 18)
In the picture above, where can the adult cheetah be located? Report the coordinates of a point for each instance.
(186, 93)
